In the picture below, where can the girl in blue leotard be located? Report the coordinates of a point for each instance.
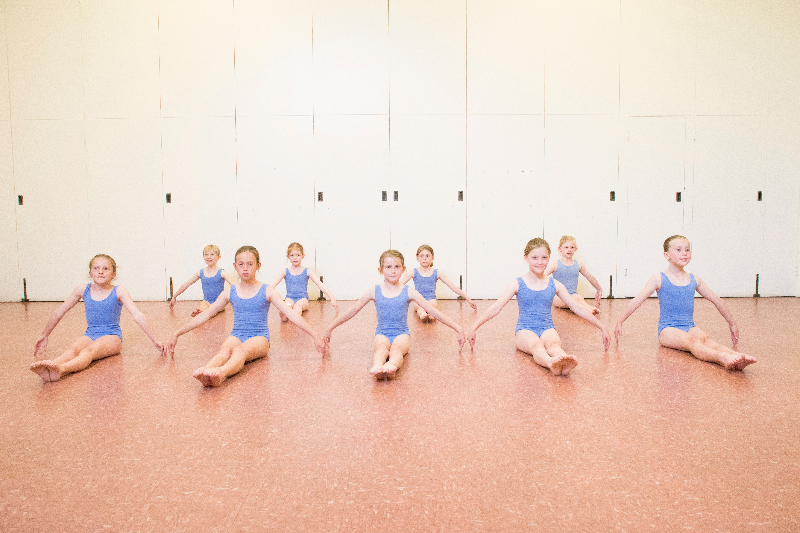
(249, 338)
(676, 328)
(296, 278)
(392, 340)
(567, 269)
(425, 278)
(535, 332)
(212, 278)
(103, 303)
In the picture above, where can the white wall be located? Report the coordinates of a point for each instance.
(536, 109)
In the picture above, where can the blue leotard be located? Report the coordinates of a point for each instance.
(102, 317)
(426, 286)
(676, 304)
(535, 307)
(250, 315)
(297, 286)
(392, 314)
(213, 286)
(568, 275)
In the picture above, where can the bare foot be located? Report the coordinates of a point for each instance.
(563, 365)
(595, 311)
(47, 370)
(389, 370)
(211, 377)
(196, 311)
(284, 318)
(739, 361)
(377, 371)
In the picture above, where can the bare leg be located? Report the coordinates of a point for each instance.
(231, 359)
(699, 344)
(300, 306)
(202, 306)
(77, 357)
(380, 348)
(421, 313)
(558, 302)
(290, 303)
(400, 347)
(546, 351)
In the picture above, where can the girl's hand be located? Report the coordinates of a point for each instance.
(618, 331)
(460, 333)
(172, 303)
(170, 346)
(472, 304)
(326, 337)
(160, 345)
(606, 338)
(597, 296)
(41, 347)
(734, 335)
(335, 305)
(320, 344)
(471, 337)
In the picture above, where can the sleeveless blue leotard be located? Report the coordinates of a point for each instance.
(213, 286)
(568, 275)
(102, 317)
(676, 304)
(392, 314)
(250, 315)
(297, 286)
(426, 286)
(535, 307)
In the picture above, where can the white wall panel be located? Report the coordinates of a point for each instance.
(126, 212)
(52, 223)
(196, 59)
(657, 58)
(428, 155)
(427, 47)
(779, 274)
(733, 58)
(44, 58)
(582, 57)
(351, 57)
(352, 223)
(728, 221)
(505, 57)
(273, 58)
(275, 198)
(199, 165)
(10, 280)
(504, 203)
(581, 167)
(654, 160)
(120, 58)
(5, 101)
(784, 48)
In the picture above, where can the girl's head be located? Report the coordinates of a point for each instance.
(567, 246)
(538, 242)
(295, 253)
(425, 255)
(392, 265)
(211, 254)
(670, 239)
(102, 267)
(247, 262)
(212, 248)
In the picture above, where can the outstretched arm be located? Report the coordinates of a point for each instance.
(551, 267)
(230, 278)
(446, 320)
(721, 306)
(492, 311)
(278, 279)
(323, 288)
(408, 276)
(182, 288)
(275, 299)
(341, 319)
(596, 284)
(652, 285)
(73, 298)
(212, 310)
(457, 290)
(125, 298)
(582, 312)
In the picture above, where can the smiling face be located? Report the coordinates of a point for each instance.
(679, 252)
(210, 257)
(296, 257)
(537, 260)
(246, 265)
(102, 271)
(568, 249)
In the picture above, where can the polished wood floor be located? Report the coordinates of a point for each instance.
(638, 439)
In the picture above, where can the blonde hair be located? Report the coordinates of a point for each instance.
(214, 248)
(670, 239)
(565, 239)
(538, 242)
(425, 247)
(107, 257)
(250, 249)
(392, 253)
(295, 246)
